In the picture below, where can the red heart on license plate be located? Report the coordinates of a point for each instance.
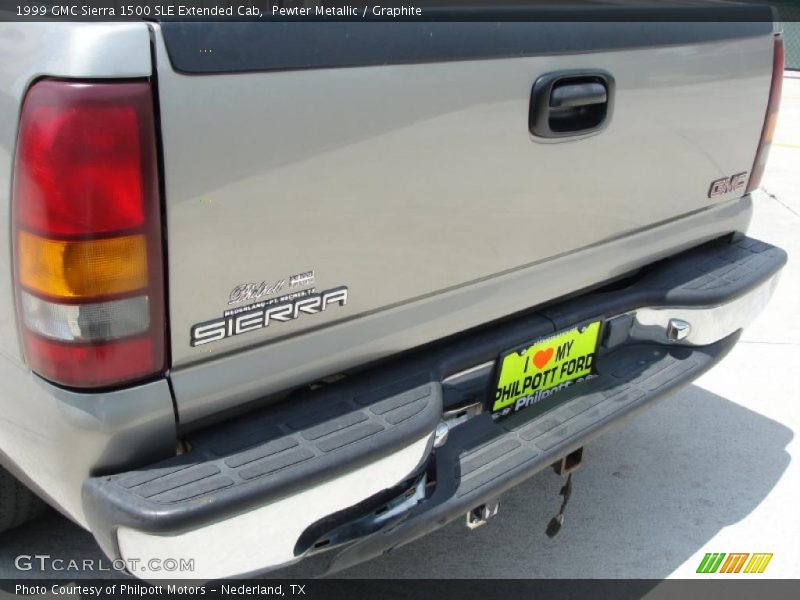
(542, 357)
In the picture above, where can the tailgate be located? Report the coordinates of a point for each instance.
(306, 187)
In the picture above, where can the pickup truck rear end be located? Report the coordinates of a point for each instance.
(267, 296)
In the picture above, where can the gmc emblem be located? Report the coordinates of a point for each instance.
(726, 185)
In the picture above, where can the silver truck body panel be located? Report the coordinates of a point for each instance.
(52, 438)
(420, 189)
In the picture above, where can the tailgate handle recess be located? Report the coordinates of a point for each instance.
(570, 103)
(578, 94)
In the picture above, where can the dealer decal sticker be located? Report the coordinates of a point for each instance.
(547, 366)
(249, 292)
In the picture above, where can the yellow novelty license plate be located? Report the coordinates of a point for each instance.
(530, 376)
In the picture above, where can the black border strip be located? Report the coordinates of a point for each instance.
(235, 46)
(735, 588)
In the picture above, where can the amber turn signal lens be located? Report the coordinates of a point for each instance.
(82, 269)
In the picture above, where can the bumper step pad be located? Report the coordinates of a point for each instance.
(270, 454)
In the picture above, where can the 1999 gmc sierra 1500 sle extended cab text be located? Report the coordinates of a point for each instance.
(317, 292)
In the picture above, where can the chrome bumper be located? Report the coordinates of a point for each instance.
(699, 326)
(212, 504)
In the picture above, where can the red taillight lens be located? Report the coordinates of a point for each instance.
(771, 118)
(87, 239)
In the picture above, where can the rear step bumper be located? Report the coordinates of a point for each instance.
(340, 472)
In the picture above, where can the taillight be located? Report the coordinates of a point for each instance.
(87, 234)
(771, 118)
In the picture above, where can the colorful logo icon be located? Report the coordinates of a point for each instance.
(737, 562)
